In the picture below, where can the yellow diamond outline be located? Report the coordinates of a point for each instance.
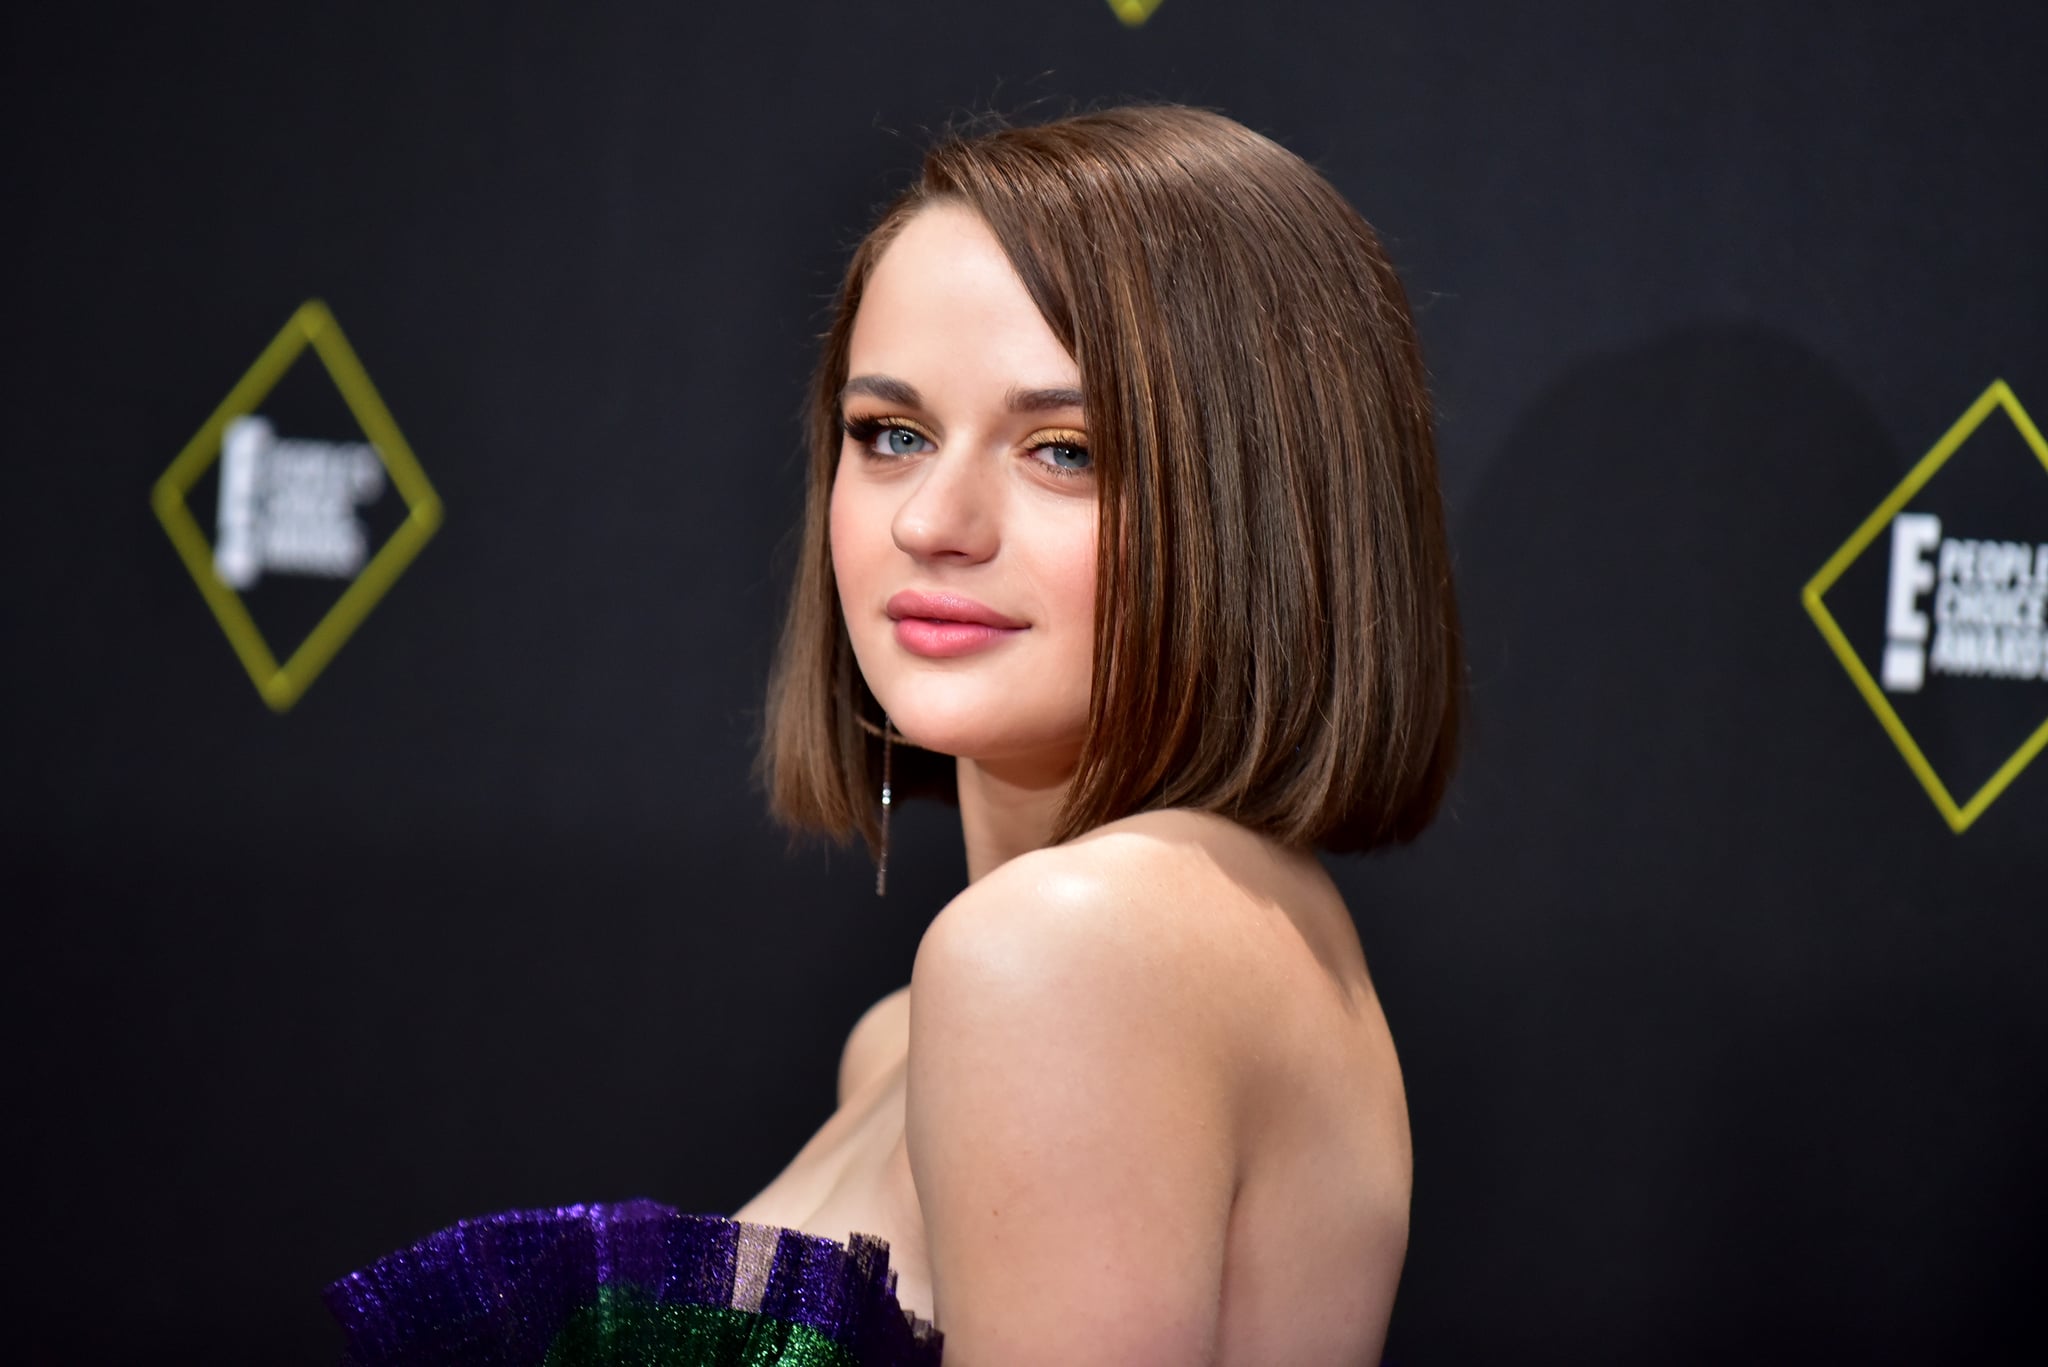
(282, 685)
(1135, 12)
(1959, 818)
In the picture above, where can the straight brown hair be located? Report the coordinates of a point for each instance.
(1276, 636)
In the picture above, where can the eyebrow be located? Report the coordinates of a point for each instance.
(881, 387)
(891, 390)
(1042, 400)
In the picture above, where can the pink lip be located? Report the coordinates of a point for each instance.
(942, 625)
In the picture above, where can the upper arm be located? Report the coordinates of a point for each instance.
(1068, 1127)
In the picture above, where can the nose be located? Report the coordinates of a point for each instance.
(950, 512)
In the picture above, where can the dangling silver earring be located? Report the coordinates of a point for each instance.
(882, 856)
(888, 735)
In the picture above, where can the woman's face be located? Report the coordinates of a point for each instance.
(963, 509)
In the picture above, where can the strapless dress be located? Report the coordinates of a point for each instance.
(634, 1283)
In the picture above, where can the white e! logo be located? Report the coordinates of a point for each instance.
(1914, 535)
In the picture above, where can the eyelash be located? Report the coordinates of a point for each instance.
(865, 430)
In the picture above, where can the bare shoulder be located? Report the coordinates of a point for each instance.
(876, 1043)
(1102, 1035)
(1141, 905)
(1071, 1086)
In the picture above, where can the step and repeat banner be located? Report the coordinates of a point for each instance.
(406, 404)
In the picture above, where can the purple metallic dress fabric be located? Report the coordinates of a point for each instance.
(631, 1283)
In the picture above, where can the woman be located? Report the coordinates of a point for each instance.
(1124, 534)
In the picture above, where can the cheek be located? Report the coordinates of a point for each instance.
(845, 532)
(1071, 579)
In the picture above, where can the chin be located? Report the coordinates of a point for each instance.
(978, 721)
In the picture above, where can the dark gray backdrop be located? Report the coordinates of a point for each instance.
(1718, 1042)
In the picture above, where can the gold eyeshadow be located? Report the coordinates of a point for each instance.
(865, 429)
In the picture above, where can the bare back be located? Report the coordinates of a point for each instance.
(1315, 1225)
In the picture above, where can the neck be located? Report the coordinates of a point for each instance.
(1007, 808)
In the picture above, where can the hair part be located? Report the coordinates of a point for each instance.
(1276, 634)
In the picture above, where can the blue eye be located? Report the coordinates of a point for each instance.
(1065, 457)
(882, 437)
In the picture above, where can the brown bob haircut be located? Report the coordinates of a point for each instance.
(1276, 636)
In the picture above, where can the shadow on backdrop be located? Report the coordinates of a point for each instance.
(1718, 1042)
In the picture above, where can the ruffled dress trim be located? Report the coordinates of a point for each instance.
(635, 1283)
